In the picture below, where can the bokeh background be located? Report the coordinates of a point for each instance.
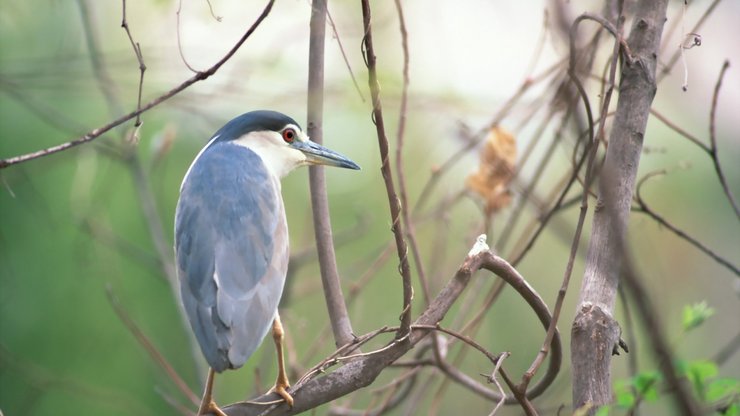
(97, 220)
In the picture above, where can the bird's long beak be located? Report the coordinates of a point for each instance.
(317, 154)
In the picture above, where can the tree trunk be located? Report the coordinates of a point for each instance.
(595, 332)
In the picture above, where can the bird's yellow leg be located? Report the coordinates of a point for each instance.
(207, 405)
(281, 384)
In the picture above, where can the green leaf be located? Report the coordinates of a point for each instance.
(623, 392)
(646, 384)
(721, 388)
(699, 372)
(703, 369)
(603, 411)
(733, 410)
(695, 315)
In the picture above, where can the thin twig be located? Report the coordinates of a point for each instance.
(713, 140)
(438, 173)
(154, 223)
(129, 155)
(139, 58)
(342, 351)
(643, 207)
(679, 130)
(491, 356)
(540, 44)
(213, 13)
(666, 69)
(537, 175)
(726, 352)
(95, 133)
(589, 178)
(344, 56)
(153, 352)
(179, 40)
(547, 216)
(402, 115)
(393, 199)
(174, 403)
(470, 328)
(100, 71)
(493, 378)
(354, 291)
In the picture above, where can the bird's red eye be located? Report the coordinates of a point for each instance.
(289, 135)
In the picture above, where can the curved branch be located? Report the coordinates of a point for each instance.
(362, 369)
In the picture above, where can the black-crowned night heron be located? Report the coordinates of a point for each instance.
(231, 238)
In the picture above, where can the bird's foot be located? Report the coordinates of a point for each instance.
(210, 408)
(281, 390)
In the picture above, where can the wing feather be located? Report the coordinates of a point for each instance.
(231, 247)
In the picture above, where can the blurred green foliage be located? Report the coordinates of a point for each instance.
(717, 395)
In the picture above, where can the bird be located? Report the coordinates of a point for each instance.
(231, 239)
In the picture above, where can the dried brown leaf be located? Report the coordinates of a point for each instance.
(497, 163)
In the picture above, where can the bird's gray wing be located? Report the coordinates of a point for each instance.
(231, 247)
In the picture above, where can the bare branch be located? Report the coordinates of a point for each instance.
(410, 231)
(179, 39)
(618, 44)
(393, 200)
(139, 58)
(679, 130)
(438, 172)
(643, 207)
(361, 371)
(493, 378)
(713, 140)
(153, 352)
(730, 349)
(344, 55)
(95, 133)
(335, 304)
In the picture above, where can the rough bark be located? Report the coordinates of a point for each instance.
(595, 332)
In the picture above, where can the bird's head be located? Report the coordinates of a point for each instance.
(279, 141)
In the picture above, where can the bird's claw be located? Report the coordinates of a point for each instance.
(211, 408)
(281, 390)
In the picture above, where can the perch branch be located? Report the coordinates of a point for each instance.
(321, 387)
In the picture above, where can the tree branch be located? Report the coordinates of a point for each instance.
(362, 369)
(713, 141)
(393, 200)
(95, 133)
(338, 316)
